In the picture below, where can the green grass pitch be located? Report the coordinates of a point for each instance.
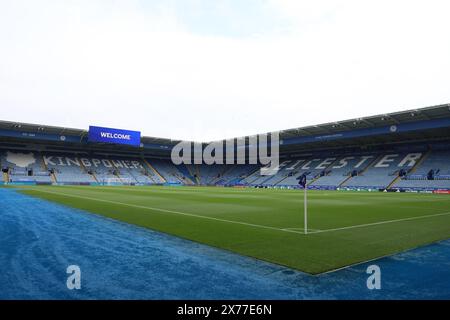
(344, 227)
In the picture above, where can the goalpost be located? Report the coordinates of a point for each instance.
(118, 181)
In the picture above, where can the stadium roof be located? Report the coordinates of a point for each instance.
(434, 118)
(326, 135)
(39, 128)
(413, 115)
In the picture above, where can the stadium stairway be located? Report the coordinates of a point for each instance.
(154, 170)
(45, 168)
(116, 173)
(282, 179)
(314, 180)
(217, 179)
(375, 160)
(413, 169)
(189, 178)
(327, 171)
(53, 178)
(419, 163)
(397, 178)
(279, 182)
(86, 170)
(252, 177)
(94, 176)
(43, 164)
(267, 179)
(148, 175)
(345, 180)
(198, 173)
(193, 175)
(393, 182)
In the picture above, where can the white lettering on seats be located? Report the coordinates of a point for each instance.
(325, 163)
(343, 162)
(363, 159)
(411, 159)
(386, 161)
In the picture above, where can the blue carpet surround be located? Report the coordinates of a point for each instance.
(40, 239)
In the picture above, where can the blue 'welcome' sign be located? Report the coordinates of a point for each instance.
(110, 135)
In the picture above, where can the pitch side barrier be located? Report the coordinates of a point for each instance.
(21, 183)
(441, 191)
(287, 187)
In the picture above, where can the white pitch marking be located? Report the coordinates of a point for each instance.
(292, 230)
(301, 229)
(170, 211)
(383, 222)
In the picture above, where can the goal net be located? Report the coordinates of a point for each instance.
(118, 181)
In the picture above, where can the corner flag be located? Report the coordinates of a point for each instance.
(302, 182)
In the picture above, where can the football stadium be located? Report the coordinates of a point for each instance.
(377, 191)
(224, 159)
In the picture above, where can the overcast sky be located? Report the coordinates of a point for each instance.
(210, 69)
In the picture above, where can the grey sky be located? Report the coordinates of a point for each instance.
(206, 70)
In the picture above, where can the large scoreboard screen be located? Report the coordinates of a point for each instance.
(117, 136)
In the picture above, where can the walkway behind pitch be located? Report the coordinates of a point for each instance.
(39, 239)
